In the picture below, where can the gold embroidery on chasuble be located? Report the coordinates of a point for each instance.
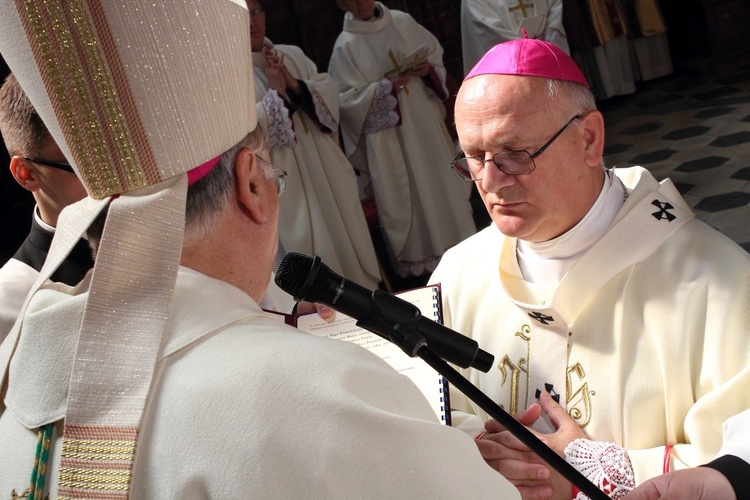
(521, 366)
(578, 400)
(397, 70)
(515, 373)
(522, 7)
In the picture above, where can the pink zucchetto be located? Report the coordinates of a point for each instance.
(528, 57)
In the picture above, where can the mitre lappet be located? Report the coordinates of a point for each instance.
(140, 96)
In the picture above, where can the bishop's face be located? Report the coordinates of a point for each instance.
(498, 113)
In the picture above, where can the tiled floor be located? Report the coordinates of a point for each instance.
(696, 131)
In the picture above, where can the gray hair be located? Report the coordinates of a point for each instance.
(580, 99)
(207, 197)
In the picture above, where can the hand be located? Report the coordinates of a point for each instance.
(272, 66)
(701, 483)
(399, 82)
(522, 467)
(325, 312)
(421, 69)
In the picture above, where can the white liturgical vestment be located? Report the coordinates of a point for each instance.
(485, 23)
(320, 212)
(309, 417)
(644, 340)
(423, 206)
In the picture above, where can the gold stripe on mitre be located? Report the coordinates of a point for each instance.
(81, 70)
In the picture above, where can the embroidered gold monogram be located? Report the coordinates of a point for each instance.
(578, 395)
(515, 371)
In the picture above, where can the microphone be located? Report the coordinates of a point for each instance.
(307, 278)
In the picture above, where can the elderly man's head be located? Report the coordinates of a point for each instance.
(545, 136)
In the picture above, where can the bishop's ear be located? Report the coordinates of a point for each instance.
(593, 127)
(253, 189)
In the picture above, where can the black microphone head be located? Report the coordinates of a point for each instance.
(303, 277)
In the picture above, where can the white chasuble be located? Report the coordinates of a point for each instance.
(653, 317)
(422, 204)
(320, 212)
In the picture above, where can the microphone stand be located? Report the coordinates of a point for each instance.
(414, 344)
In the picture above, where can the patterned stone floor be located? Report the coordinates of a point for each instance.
(696, 131)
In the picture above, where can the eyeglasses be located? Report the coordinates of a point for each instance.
(514, 162)
(279, 175)
(256, 12)
(60, 166)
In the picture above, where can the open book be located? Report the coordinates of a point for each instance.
(431, 383)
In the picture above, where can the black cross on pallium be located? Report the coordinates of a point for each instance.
(662, 213)
(541, 318)
(551, 389)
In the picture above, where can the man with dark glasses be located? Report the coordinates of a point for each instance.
(38, 165)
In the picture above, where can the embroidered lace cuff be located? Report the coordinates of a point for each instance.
(604, 464)
(280, 126)
(382, 113)
(321, 111)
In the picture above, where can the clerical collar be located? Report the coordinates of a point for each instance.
(42, 224)
(547, 262)
(375, 23)
(377, 15)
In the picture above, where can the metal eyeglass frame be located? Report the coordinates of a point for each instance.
(279, 175)
(461, 156)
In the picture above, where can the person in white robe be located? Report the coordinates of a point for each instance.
(159, 376)
(321, 213)
(598, 287)
(485, 23)
(391, 82)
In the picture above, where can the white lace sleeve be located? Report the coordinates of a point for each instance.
(321, 110)
(280, 126)
(382, 113)
(604, 464)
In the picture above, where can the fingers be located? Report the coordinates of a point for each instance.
(502, 445)
(539, 492)
(530, 414)
(526, 417)
(557, 414)
(325, 312)
(520, 472)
